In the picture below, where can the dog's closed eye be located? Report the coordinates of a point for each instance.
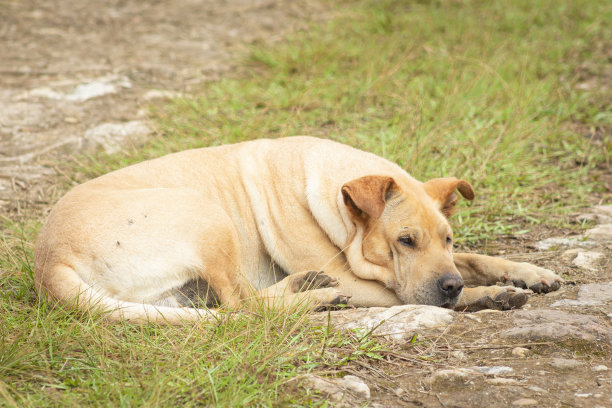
(406, 241)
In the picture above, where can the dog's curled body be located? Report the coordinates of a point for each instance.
(244, 219)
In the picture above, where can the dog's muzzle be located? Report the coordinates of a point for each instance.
(450, 287)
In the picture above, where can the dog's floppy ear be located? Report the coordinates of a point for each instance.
(366, 196)
(443, 191)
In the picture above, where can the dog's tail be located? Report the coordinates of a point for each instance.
(61, 282)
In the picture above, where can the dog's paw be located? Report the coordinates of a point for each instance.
(525, 275)
(506, 298)
(311, 280)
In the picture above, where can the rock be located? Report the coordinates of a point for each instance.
(111, 136)
(83, 92)
(555, 325)
(601, 233)
(602, 214)
(520, 352)
(450, 377)
(524, 402)
(160, 94)
(587, 260)
(592, 294)
(501, 381)
(337, 388)
(565, 363)
(537, 389)
(556, 242)
(397, 323)
(600, 368)
(495, 370)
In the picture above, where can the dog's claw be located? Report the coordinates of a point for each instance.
(312, 280)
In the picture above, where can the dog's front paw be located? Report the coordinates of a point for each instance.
(311, 280)
(499, 298)
(525, 275)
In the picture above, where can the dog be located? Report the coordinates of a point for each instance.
(274, 220)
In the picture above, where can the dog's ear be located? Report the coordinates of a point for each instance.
(443, 191)
(366, 197)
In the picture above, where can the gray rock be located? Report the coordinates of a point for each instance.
(587, 260)
(525, 402)
(556, 242)
(602, 214)
(601, 233)
(501, 381)
(494, 370)
(337, 388)
(111, 136)
(600, 368)
(397, 323)
(450, 377)
(520, 352)
(592, 294)
(555, 325)
(565, 363)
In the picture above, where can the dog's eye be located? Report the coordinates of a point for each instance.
(406, 241)
(449, 240)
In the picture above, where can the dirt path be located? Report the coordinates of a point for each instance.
(76, 75)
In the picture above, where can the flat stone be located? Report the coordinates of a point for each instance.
(494, 370)
(601, 233)
(501, 381)
(600, 368)
(520, 352)
(602, 214)
(524, 402)
(556, 242)
(591, 294)
(83, 92)
(337, 388)
(565, 363)
(587, 260)
(112, 136)
(397, 323)
(451, 377)
(555, 325)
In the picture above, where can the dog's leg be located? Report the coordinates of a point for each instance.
(486, 270)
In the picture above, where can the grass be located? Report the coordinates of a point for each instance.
(486, 91)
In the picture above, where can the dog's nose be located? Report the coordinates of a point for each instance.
(450, 285)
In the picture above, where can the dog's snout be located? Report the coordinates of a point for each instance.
(450, 285)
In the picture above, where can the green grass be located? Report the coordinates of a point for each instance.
(483, 90)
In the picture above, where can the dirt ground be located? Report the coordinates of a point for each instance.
(68, 67)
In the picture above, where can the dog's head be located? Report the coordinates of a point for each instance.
(403, 239)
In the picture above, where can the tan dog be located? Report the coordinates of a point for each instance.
(224, 224)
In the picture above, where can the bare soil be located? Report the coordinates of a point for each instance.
(49, 48)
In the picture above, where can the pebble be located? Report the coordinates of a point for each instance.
(537, 389)
(458, 354)
(520, 351)
(525, 402)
